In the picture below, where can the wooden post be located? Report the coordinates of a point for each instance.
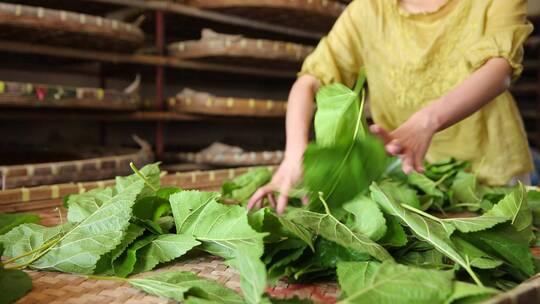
(160, 75)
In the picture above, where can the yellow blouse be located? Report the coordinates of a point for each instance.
(413, 59)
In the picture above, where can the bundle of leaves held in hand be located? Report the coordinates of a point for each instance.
(384, 236)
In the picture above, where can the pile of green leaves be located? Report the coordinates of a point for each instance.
(384, 236)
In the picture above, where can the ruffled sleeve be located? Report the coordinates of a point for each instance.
(337, 57)
(506, 29)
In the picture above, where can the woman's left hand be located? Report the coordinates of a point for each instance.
(410, 141)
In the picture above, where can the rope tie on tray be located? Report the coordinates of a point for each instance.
(25, 194)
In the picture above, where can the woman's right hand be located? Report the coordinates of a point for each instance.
(286, 177)
(300, 109)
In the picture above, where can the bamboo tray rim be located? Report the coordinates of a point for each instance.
(66, 17)
(190, 101)
(213, 44)
(327, 7)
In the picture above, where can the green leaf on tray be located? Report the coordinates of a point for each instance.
(464, 189)
(425, 184)
(152, 175)
(224, 231)
(14, 284)
(395, 234)
(401, 193)
(244, 186)
(80, 248)
(29, 237)
(326, 256)
(162, 249)
(367, 217)
(81, 206)
(105, 264)
(429, 258)
(515, 208)
(426, 229)
(9, 221)
(298, 231)
(464, 291)
(505, 242)
(252, 273)
(333, 230)
(125, 264)
(472, 224)
(533, 200)
(281, 255)
(220, 228)
(180, 285)
(371, 282)
(153, 207)
(477, 257)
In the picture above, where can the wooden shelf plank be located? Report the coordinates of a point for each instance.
(525, 88)
(150, 60)
(182, 9)
(531, 64)
(529, 114)
(82, 115)
(533, 41)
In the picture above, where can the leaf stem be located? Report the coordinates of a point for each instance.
(420, 212)
(325, 204)
(443, 178)
(472, 273)
(360, 116)
(41, 253)
(45, 246)
(139, 174)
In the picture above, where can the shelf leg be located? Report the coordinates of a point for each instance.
(160, 75)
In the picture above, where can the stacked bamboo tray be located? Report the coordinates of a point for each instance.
(315, 15)
(107, 165)
(58, 27)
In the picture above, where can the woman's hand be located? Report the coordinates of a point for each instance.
(285, 178)
(410, 141)
(300, 109)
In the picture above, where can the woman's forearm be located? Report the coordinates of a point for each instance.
(479, 89)
(300, 110)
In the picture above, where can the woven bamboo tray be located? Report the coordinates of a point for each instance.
(17, 94)
(56, 27)
(237, 50)
(310, 15)
(53, 287)
(189, 101)
(219, 154)
(95, 168)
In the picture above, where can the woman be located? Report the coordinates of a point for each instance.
(438, 74)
